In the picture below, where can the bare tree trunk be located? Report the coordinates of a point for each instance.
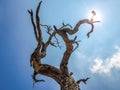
(69, 83)
(60, 75)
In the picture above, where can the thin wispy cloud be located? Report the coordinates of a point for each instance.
(80, 55)
(105, 66)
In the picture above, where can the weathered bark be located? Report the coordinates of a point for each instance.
(60, 75)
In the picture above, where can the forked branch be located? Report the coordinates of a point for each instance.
(33, 23)
(69, 43)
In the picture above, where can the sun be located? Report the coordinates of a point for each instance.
(94, 15)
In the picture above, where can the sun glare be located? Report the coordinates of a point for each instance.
(94, 15)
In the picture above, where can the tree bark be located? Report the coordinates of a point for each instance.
(60, 75)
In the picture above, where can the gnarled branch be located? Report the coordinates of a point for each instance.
(69, 43)
(83, 80)
(76, 28)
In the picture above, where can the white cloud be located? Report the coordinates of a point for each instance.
(105, 66)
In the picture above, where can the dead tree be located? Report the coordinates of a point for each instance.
(61, 75)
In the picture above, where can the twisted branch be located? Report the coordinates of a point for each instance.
(69, 43)
(83, 80)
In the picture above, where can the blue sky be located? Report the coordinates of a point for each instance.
(97, 57)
